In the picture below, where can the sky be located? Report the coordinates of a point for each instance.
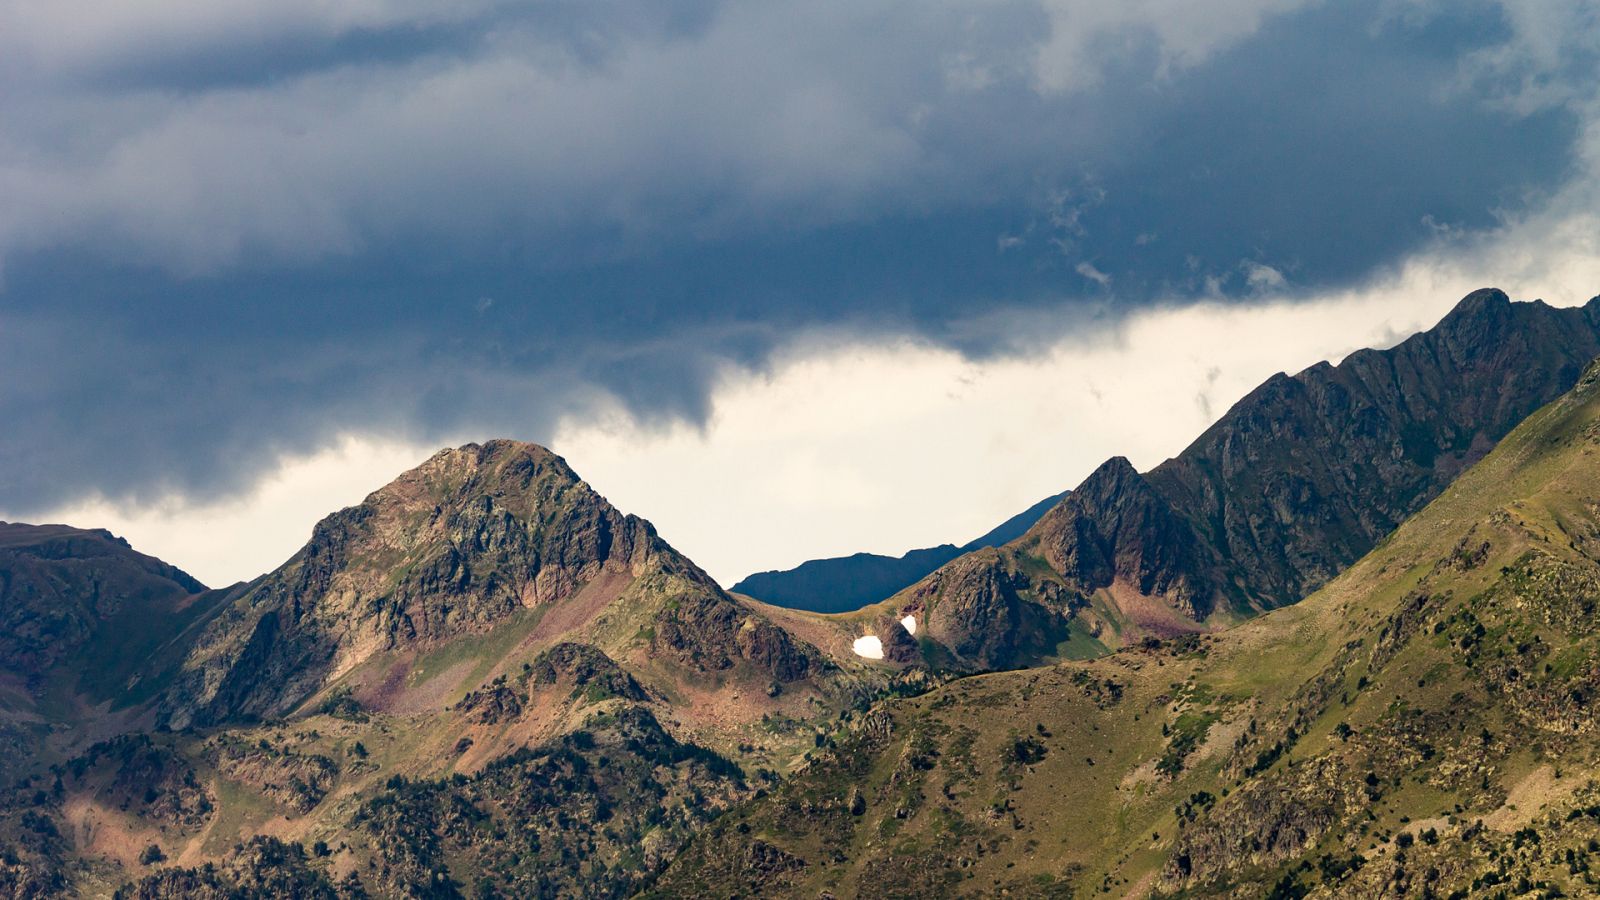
(788, 281)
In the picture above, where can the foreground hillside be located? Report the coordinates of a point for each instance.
(1424, 725)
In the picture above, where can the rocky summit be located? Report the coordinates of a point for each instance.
(453, 550)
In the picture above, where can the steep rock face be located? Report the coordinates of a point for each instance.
(1307, 473)
(982, 621)
(1295, 482)
(448, 550)
(1116, 526)
(989, 614)
(1423, 726)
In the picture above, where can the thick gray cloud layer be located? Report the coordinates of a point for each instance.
(231, 228)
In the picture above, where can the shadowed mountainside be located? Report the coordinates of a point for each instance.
(59, 586)
(1294, 482)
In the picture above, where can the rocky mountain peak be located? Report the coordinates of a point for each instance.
(475, 537)
(1116, 527)
(1481, 306)
(1297, 480)
(500, 462)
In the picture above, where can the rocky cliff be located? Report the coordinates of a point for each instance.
(469, 541)
(1296, 481)
(1422, 726)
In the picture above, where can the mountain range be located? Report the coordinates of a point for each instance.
(1295, 482)
(485, 680)
(1421, 726)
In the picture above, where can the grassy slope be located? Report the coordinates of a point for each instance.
(1444, 679)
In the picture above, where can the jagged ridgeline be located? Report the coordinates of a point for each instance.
(1295, 482)
(1423, 725)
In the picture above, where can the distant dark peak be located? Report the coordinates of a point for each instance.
(1014, 527)
(844, 583)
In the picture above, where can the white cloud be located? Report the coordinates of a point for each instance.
(1084, 33)
(847, 444)
(1087, 270)
(1261, 278)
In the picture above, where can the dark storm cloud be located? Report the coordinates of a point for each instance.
(222, 243)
